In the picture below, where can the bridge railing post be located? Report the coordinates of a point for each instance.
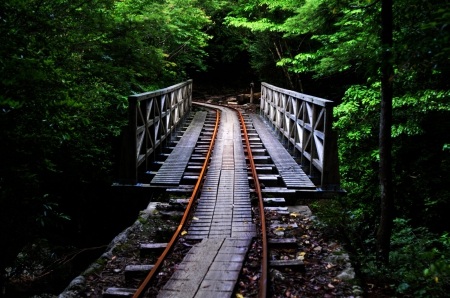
(330, 175)
(127, 171)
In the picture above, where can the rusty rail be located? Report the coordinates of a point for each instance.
(264, 260)
(140, 291)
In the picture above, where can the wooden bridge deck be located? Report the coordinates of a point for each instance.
(222, 220)
(173, 168)
(209, 270)
(224, 203)
(291, 173)
(223, 217)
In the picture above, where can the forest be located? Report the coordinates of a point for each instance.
(67, 68)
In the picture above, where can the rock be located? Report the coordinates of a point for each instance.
(331, 244)
(93, 268)
(299, 209)
(276, 275)
(151, 210)
(107, 255)
(75, 287)
(337, 257)
(357, 290)
(279, 233)
(164, 206)
(347, 274)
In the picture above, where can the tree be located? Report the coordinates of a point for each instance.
(387, 200)
(67, 68)
(391, 141)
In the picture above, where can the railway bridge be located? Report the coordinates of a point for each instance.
(301, 123)
(232, 170)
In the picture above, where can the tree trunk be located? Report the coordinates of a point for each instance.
(285, 70)
(300, 84)
(387, 203)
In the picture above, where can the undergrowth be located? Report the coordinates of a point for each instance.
(419, 261)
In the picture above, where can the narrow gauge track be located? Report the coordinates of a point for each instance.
(140, 292)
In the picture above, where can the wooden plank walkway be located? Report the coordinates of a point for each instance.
(224, 208)
(291, 173)
(209, 270)
(172, 170)
(222, 221)
(223, 218)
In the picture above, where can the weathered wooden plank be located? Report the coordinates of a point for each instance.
(147, 248)
(288, 243)
(274, 201)
(284, 226)
(218, 286)
(118, 292)
(133, 271)
(276, 208)
(292, 264)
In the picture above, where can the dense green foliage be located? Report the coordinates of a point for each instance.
(339, 43)
(67, 68)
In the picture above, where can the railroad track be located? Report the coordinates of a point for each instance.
(233, 161)
(140, 292)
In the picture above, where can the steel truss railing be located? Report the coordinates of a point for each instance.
(304, 125)
(153, 116)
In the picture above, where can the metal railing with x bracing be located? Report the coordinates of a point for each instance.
(304, 124)
(153, 116)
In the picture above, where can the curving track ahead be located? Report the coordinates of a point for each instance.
(225, 174)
